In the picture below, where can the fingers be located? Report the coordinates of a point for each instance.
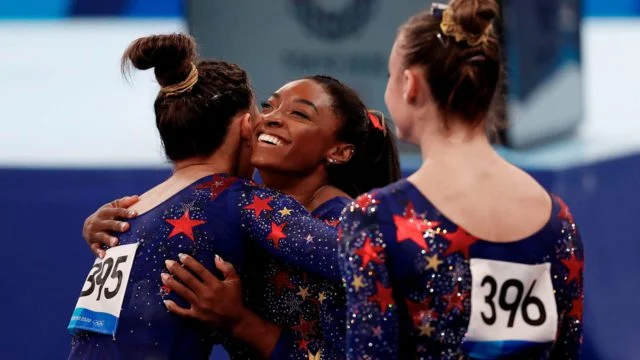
(179, 288)
(174, 308)
(109, 225)
(197, 268)
(96, 249)
(103, 220)
(124, 202)
(110, 213)
(185, 277)
(226, 268)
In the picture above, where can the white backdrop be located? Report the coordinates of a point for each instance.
(65, 104)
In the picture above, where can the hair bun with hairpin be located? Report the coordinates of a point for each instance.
(469, 21)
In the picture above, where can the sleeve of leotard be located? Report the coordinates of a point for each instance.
(372, 316)
(568, 280)
(283, 227)
(285, 348)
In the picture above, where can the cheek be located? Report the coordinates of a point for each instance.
(310, 145)
(391, 99)
(397, 108)
(387, 95)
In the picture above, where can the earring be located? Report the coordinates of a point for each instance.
(331, 161)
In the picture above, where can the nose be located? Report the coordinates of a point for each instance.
(272, 120)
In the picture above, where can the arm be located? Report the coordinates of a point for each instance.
(284, 228)
(219, 303)
(372, 316)
(98, 225)
(567, 272)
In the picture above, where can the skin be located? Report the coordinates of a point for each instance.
(461, 173)
(298, 168)
(300, 115)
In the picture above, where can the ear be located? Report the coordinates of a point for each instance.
(340, 154)
(411, 83)
(245, 127)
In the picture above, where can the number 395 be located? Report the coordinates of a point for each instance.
(99, 275)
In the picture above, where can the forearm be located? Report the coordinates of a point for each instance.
(258, 333)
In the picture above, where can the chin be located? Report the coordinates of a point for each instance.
(264, 163)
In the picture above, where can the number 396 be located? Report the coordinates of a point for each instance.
(512, 306)
(100, 273)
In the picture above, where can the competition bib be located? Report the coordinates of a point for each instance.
(513, 308)
(100, 302)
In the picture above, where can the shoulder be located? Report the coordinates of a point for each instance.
(376, 205)
(249, 191)
(567, 233)
(374, 209)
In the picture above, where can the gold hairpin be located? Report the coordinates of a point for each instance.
(182, 86)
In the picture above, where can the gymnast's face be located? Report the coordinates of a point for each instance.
(296, 130)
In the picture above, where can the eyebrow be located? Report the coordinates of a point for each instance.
(299, 100)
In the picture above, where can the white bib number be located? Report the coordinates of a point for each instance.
(100, 302)
(511, 303)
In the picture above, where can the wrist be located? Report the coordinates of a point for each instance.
(239, 327)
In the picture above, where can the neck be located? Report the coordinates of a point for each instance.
(218, 162)
(303, 188)
(459, 145)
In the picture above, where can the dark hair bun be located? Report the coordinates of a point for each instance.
(170, 56)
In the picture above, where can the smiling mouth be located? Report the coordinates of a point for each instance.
(270, 139)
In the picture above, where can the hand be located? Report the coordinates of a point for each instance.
(214, 302)
(96, 227)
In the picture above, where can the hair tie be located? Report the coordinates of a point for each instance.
(377, 122)
(450, 28)
(184, 85)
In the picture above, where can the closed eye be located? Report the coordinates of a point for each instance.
(266, 106)
(300, 114)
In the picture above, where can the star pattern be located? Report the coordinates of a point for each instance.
(259, 205)
(574, 266)
(210, 217)
(217, 185)
(383, 297)
(364, 201)
(289, 293)
(357, 282)
(427, 260)
(420, 311)
(460, 241)
(369, 252)
(411, 226)
(564, 213)
(454, 300)
(277, 234)
(282, 281)
(184, 225)
(304, 293)
(576, 309)
(433, 262)
(304, 327)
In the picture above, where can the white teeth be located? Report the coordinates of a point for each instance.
(270, 139)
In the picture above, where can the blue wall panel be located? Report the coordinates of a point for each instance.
(46, 260)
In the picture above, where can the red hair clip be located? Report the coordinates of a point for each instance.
(377, 122)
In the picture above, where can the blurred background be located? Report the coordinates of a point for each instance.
(76, 135)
